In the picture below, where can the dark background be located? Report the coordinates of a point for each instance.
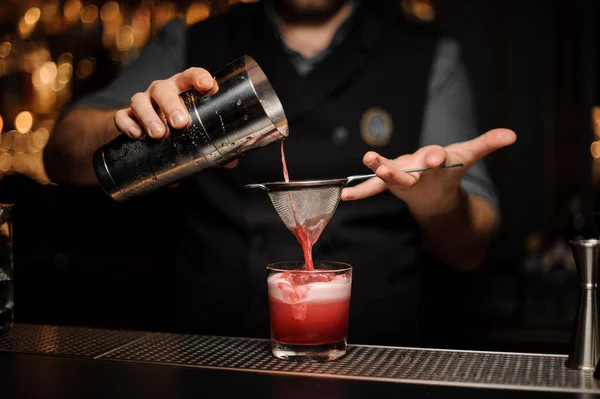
(82, 259)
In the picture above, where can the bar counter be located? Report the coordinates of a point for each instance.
(39, 361)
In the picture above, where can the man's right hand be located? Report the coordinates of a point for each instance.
(142, 116)
(68, 154)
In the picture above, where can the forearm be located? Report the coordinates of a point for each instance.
(68, 154)
(460, 234)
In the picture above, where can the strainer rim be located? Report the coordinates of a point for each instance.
(301, 184)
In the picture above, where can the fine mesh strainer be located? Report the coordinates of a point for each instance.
(311, 203)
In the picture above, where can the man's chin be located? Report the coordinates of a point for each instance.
(308, 10)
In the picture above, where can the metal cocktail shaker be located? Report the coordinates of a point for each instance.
(243, 115)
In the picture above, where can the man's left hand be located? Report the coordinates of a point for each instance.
(433, 191)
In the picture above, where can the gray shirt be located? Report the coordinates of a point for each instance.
(449, 111)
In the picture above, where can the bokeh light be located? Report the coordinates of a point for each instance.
(5, 49)
(65, 57)
(20, 143)
(6, 143)
(197, 12)
(32, 16)
(89, 14)
(24, 122)
(85, 68)
(72, 10)
(49, 11)
(19, 162)
(163, 13)
(5, 161)
(595, 149)
(65, 71)
(125, 38)
(48, 73)
(39, 138)
(140, 24)
(25, 29)
(420, 9)
(110, 11)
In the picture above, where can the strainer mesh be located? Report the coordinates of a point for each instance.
(311, 205)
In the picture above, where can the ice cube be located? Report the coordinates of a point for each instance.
(291, 292)
(303, 278)
(299, 311)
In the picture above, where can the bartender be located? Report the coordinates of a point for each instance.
(363, 90)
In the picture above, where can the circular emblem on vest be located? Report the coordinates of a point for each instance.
(376, 127)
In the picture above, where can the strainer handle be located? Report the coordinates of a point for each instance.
(350, 179)
(258, 185)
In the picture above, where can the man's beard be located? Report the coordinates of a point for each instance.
(307, 11)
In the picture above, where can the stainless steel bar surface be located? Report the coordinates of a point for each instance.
(65, 341)
(520, 371)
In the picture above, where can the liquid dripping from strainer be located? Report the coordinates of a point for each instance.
(308, 232)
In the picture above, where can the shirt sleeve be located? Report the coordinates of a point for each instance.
(162, 58)
(450, 116)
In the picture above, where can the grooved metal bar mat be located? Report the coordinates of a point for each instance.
(65, 341)
(424, 366)
(462, 368)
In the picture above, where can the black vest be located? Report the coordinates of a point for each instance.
(232, 233)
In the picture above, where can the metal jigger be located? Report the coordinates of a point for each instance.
(585, 339)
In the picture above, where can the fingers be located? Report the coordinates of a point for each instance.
(483, 145)
(365, 189)
(433, 156)
(163, 95)
(387, 170)
(147, 116)
(125, 123)
(392, 175)
(391, 171)
(166, 97)
(388, 173)
(372, 160)
(498, 138)
(198, 78)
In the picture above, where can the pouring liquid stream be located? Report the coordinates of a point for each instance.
(305, 239)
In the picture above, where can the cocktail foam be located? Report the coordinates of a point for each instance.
(286, 290)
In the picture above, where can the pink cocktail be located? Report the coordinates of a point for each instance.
(309, 310)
